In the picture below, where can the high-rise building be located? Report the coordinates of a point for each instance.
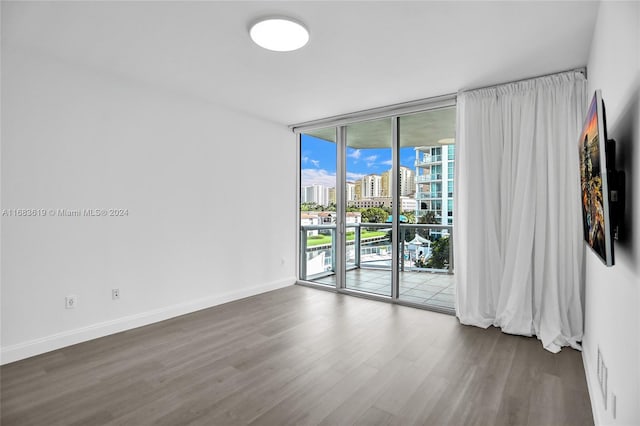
(407, 182)
(317, 194)
(351, 191)
(357, 190)
(386, 182)
(371, 186)
(331, 195)
(434, 182)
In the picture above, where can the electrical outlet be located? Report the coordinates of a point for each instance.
(115, 293)
(70, 302)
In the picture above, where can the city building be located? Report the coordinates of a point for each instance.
(351, 191)
(327, 218)
(434, 182)
(365, 203)
(369, 186)
(317, 194)
(353, 217)
(357, 190)
(407, 182)
(406, 203)
(331, 195)
(310, 219)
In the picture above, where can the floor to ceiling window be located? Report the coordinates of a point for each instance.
(427, 144)
(318, 205)
(368, 168)
(376, 206)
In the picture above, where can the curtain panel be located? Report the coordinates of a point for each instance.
(518, 238)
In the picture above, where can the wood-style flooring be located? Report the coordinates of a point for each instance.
(305, 357)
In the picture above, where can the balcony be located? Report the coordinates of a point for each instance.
(429, 178)
(428, 160)
(368, 259)
(429, 195)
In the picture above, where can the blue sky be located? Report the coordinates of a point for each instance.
(318, 160)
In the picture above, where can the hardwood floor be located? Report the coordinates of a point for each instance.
(300, 356)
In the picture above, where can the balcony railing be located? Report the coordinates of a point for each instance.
(428, 160)
(428, 195)
(368, 245)
(429, 178)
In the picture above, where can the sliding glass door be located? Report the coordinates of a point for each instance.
(368, 199)
(427, 153)
(318, 236)
(376, 207)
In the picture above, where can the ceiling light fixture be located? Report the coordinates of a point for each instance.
(279, 34)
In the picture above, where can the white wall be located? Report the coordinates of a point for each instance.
(197, 180)
(612, 321)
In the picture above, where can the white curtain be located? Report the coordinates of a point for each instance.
(518, 233)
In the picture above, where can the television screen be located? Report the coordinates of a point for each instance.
(593, 181)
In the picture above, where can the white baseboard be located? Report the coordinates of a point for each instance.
(594, 391)
(71, 337)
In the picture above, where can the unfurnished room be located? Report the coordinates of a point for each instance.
(320, 213)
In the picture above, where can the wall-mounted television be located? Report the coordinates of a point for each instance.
(600, 183)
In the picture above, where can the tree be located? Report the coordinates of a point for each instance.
(408, 232)
(439, 254)
(428, 217)
(310, 207)
(410, 215)
(374, 215)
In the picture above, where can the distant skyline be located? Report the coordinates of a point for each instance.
(318, 161)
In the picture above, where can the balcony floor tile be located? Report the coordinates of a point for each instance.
(426, 288)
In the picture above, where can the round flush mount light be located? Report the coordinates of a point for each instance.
(279, 34)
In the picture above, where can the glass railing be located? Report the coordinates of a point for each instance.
(422, 247)
(317, 251)
(428, 160)
(426, 247)
(428, 178)
(428, 195)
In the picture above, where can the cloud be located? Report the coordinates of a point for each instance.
(354, 176)
(371, 160)
(315, 163)
(355, 154)
(387, 163)
(322, 177)
(305, 160)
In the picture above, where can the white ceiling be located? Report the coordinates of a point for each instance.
(361, 54)
(421, 129)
